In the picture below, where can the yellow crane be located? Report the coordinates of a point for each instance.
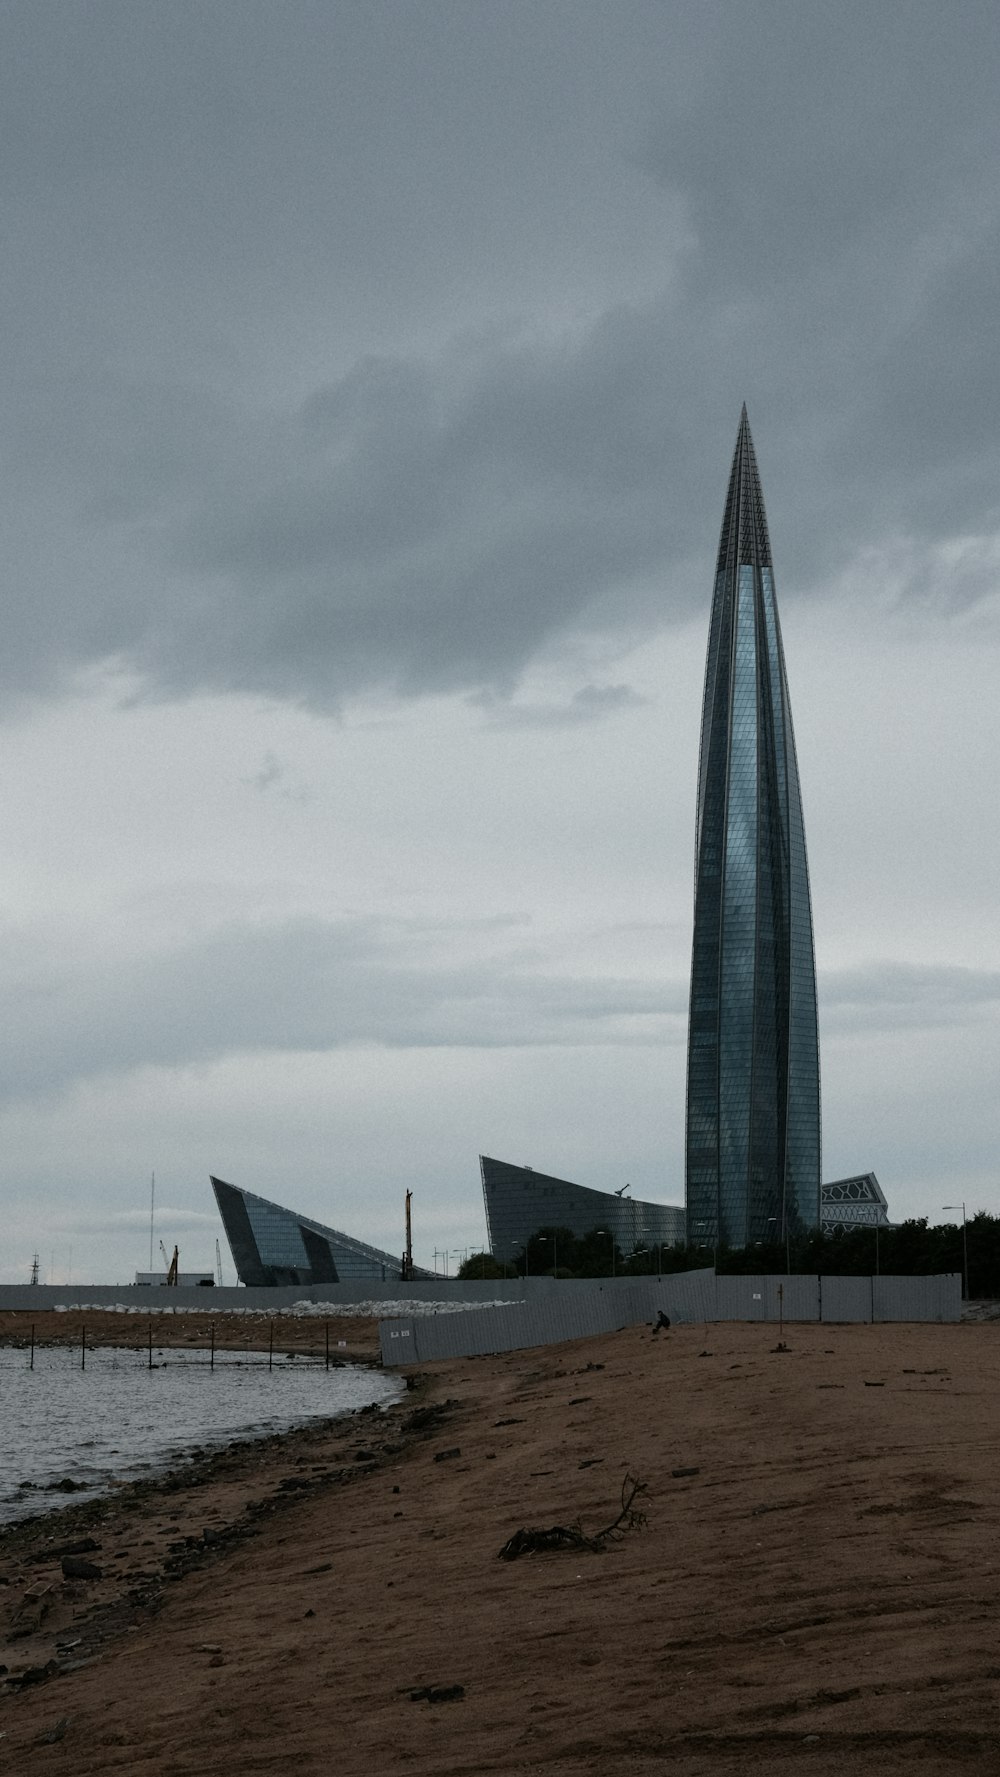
(171, 1264)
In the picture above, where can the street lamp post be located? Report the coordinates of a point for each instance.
(953, 1209)
(554, 1239)
(715, 1240)
(612, 1240)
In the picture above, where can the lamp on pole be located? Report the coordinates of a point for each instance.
(715, 1240)
(953, 1209)
(553, 1239)
(611, 1237)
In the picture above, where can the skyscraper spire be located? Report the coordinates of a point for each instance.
(744, 537)
(753, 1107)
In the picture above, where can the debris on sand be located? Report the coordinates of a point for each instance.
(571, 1536)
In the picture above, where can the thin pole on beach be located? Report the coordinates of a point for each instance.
(326, 1329)
(150, 1332)
(83, 1347)
(31, 1360)
(270, 1345)
(211, 1361)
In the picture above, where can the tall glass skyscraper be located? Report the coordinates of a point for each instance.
(753, 1106)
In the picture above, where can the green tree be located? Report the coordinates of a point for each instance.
(481, 1266)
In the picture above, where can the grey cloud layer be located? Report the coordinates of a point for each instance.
(430, 519)
(309, 985)
(900, 996)
(316, 985)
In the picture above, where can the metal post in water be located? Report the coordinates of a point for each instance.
(31, 1360)
(270, 1344)
(83, 1347)
(326, 1329)
(150, 1342)
(211, 1361)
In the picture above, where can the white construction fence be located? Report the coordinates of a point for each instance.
(577, 1310)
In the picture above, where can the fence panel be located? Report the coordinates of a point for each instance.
(740, 1298)
(847, 1298)
(799, 1299)
(558, 1315)
(919, 1298)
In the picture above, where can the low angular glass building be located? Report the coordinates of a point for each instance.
(753, 1098)
(272, 1245)
(519, 1201)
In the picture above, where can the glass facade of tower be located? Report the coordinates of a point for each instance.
(753, 1102)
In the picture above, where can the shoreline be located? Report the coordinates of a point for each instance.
(354, 1338)
(209, 1503)
(815, 1583)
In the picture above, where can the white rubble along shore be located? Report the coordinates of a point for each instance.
(382, 1310)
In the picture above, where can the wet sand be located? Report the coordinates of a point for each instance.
(815, 1586)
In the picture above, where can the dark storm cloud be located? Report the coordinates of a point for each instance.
(307, 985)
(186, 185)
(841, 171)
(418, 526)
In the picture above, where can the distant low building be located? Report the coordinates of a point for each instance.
(187, 1279)
(519, 1201)
(853, 1203)
(272, 1245)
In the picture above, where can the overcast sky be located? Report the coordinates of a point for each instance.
(371, 380)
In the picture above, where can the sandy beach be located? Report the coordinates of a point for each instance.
(814, 1584)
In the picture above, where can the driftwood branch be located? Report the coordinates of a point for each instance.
(571, 1536)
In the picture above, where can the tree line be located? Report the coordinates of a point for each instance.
(906, 1249)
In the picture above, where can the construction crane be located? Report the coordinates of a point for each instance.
(171, 1264)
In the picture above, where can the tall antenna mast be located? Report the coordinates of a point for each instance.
(152, 1205)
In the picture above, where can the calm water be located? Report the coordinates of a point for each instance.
(119, 1420)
